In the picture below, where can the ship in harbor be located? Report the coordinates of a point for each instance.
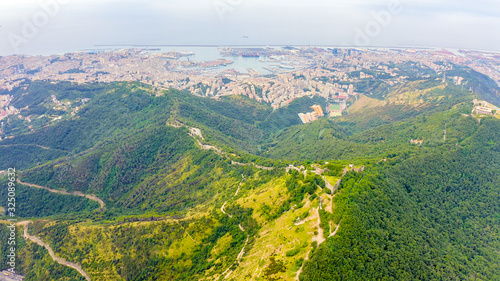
(250, 55)
(243, 52)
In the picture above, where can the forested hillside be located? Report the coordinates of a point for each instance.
(403, 186)
(431, 217)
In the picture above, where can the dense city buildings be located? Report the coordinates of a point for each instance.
(336, 74)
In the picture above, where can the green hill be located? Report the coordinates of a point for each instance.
(402, 187)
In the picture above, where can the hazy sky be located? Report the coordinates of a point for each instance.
(55, 26)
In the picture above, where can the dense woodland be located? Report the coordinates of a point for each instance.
(430, 217)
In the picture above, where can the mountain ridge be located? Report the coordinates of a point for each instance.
(207, 189)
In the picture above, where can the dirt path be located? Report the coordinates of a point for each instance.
(51, 252)
(301, 268)
(228, 272)
(37, 145)
(189, 235)
(320, 238)
(242, 252)
(239, 185)
(222, 210)
(235, 194)
(196, 132)
(320, 234)
(76, 193)
(336, 229)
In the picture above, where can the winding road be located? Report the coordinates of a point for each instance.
(57, 259)
(37, 145)
(39, 241)
(196, 132)
(76, 193)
